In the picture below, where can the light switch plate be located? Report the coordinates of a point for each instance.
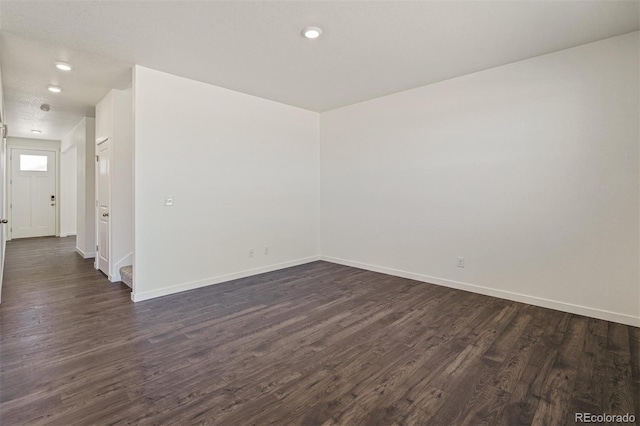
(168, 201)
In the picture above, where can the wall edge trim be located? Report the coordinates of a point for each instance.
(487, 291)
(192, 285)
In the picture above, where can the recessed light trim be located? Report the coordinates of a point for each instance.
(54, 89)
(312, 32)
(63, 66)
(36, 131)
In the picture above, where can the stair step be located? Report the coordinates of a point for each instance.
(126, 275)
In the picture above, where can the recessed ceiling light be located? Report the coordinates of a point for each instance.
(54, 89)
(312, 32)
(63, 66)
(36, 131)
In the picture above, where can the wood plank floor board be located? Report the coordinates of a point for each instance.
(350, 411)
(634, 346)
(588, 389)
(435, 352)
(347, 385)
(316, 344)
(558, 387)
(514, 365)
(618, 382)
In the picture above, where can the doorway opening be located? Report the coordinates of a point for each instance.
(33, 193)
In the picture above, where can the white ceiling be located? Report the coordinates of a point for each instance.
(368, 49)
(27, 69)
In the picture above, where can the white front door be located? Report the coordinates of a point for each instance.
(103, 196)
(33, 193)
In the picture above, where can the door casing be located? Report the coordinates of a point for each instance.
(9, 196)
(102, 145)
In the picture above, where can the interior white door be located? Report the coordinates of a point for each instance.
(3, 211)
(103, 196)
(33, 193)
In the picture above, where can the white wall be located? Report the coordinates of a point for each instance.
(529, 171)
(114, 120)
(88, 160)
(243, 172)
(33, 143)
(1, 99)
(68, 191)
(81, 139)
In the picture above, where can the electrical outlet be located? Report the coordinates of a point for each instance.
(266, 250)
(461, 262)
(250, 252)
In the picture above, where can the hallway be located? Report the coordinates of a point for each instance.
(56, 311)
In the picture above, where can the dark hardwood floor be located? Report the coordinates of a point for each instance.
(318, 344)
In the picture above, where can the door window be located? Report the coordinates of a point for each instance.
(33, 163)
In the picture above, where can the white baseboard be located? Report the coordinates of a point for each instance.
(84, 255)
(165, 291)
(502, 294)
(70, 234)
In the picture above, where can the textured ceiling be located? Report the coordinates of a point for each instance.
(27, 69)
(368, 49)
